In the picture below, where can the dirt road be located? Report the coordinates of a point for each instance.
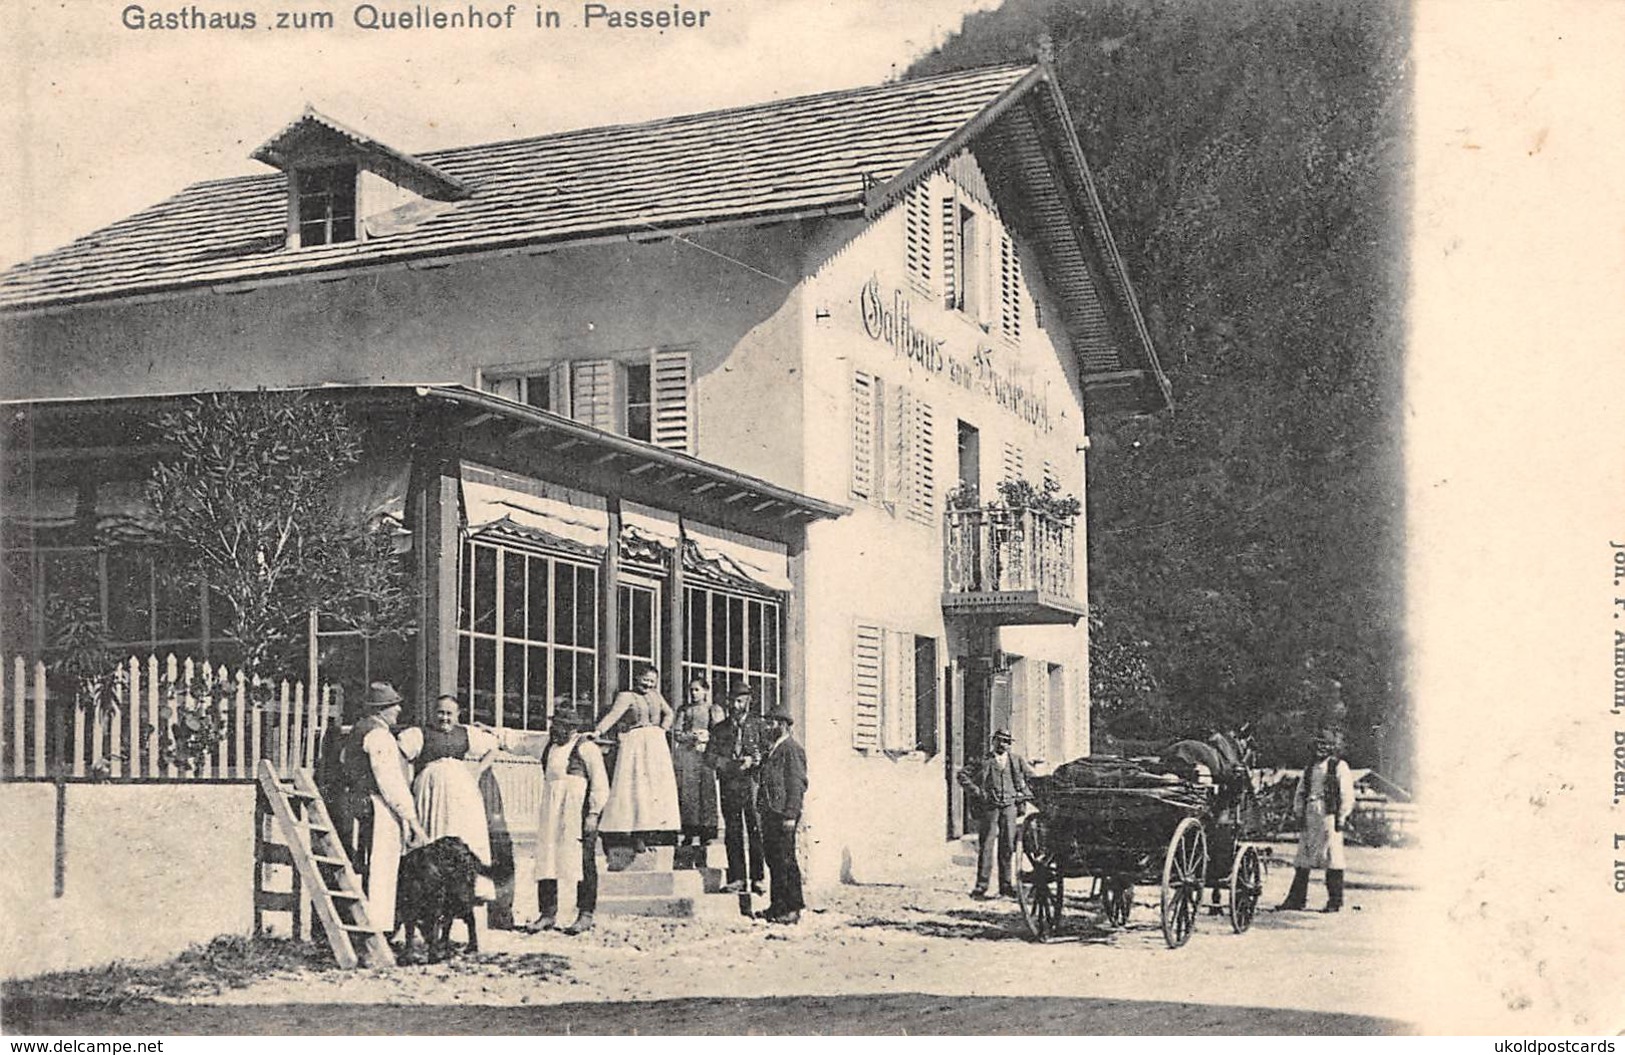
(871, 959)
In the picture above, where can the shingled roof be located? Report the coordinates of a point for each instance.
(843, 152)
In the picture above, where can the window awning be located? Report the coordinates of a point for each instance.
(561, 515)
(649, 525)
(739, 556)
(121, 510)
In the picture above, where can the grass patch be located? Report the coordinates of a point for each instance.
(229, 962)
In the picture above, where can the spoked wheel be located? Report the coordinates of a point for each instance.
(1246, 886)
(1184, 876)
(1039, 884)
(1116, 899)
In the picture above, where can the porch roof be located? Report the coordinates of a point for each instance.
(472, 425)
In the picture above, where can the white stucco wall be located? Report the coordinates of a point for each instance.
(875, 816)
(149, 869)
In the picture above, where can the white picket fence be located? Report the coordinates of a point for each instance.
(46, 735)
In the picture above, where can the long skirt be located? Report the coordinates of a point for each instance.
(696, 791)
(1321, 844)
(383, 866)
(643, 795)
(449, 803)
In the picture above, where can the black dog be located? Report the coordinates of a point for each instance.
(436, 887)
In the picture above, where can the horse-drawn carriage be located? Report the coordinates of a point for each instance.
(1127, 822)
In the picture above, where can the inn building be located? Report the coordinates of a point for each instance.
(743, 394)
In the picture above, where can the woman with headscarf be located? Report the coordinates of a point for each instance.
(445, 788)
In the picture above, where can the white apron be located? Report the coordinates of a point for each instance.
(449, 803)
(1320, 845)
(383, 866)
(558, 833)
(643, 795)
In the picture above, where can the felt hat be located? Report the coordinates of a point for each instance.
(781, 714)
(741, 689)
(1004, 734)
(380, 694)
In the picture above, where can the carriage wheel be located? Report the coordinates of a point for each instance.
(1117, 899)
(1039, 885)
(1246, 886)
(1184, 877)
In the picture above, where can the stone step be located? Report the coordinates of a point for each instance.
(651, 884)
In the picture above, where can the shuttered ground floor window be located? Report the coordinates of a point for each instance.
(527, 628)
(734, 638)
(895, 690)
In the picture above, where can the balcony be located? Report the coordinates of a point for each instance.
(1005, 567)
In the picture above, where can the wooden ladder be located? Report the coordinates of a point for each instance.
(324, 867)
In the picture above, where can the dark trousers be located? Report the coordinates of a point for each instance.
(547, 890)
(740, 816)
(996, 823)
(779, 844)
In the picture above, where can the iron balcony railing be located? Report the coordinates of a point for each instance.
(996, 550)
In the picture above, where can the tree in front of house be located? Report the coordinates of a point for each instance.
(243, 508)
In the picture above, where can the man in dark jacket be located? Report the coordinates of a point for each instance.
(783, 786)
(994, 787)
(737, 745)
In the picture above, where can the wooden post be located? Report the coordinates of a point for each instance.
(115, 727)
(676, 627)
(609, 592)
(793, 660)
(434, 510)
(19, 696)
(220, 696)
(4, 727)
(78, 737)
(282, 730)
(171, 691)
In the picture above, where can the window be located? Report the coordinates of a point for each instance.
(970, 460)
(548, 389)
(967, 253)
(649, 400)
(894, 690)
(638, 614)
(527, 628)
(123, 586)
(893, 448)
(326, 204)
(639, 403)
(734, 638)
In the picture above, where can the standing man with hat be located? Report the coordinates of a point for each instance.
(735, 752)
(378, 788)
(1324, 800)
(575, 790)
(783, 787)
(994, 787)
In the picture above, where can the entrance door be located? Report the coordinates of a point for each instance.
(639, 612)
(970, 714)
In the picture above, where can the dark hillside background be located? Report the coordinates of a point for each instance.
(1246, 549)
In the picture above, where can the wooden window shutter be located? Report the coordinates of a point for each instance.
(559, 383)
(917, 235)
(951, 292)
(1038, 722)
(868, 684)
(1015, 462)
(898, 469)
(1050, 477)
(922, 496)
(863, 435)
(506, 387)
(1009, 289)
(897, 703)
(671, 379)
(595, 394)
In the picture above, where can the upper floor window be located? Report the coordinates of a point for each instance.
(649, 399)
(326, 203)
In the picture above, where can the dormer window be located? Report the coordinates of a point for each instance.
(344, 186)
(326, 204)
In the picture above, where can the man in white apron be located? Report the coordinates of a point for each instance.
(1324, 800)
(373, 764)
(575, 789)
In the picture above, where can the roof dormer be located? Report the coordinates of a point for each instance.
(344, 186)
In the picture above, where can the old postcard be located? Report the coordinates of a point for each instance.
(812, 517)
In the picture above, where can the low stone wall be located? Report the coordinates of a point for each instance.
(146, 870)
